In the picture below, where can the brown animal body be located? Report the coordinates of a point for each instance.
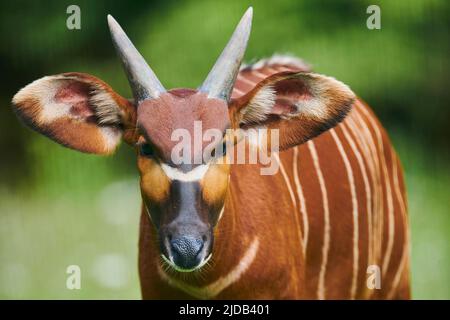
(336, 207)
(330, 223)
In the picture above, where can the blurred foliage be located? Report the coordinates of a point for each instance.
(58, 207)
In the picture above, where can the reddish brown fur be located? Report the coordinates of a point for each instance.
(280, 271)
(178, 109)
(260, 206)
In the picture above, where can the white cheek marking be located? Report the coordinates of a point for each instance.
(216, 287)
(195, 174)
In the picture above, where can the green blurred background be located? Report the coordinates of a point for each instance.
(59, 207)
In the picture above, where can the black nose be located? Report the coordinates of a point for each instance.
(185, 251)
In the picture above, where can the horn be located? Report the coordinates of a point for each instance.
(220, 80)
(142, 79)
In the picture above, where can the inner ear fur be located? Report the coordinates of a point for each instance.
(300, 104)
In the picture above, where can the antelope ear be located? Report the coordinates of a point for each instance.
(300, 104)
(76, 110)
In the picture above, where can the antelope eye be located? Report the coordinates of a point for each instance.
(146, 150)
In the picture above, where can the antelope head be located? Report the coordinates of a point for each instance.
(184, 199)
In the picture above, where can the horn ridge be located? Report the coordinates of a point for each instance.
(143, 81)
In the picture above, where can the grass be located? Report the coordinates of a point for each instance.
(428, 183)
(80, 212)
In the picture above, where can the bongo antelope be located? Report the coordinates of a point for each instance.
(223, 231)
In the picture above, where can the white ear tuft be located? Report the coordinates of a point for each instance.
(260, 106)
(328, 95)
(105, 107)
(40, 95)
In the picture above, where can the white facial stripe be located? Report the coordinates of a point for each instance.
(195, 174)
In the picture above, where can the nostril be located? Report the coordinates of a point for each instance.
(187, 245)
(185, 251)
(204, 238)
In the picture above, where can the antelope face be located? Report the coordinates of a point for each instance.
(178, 133)
(184, 199)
